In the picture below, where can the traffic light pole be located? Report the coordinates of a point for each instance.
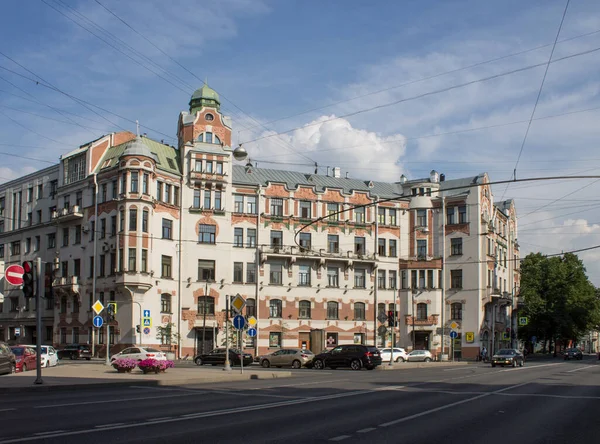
(38, 315)
(227, 366)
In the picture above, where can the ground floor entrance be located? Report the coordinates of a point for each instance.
(304, 340)
(422, 340)
(205, 339)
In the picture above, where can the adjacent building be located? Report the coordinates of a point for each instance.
(168, 233)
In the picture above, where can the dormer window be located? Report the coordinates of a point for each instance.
(209, 137)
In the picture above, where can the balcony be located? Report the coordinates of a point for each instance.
(69, 284)
(420, 262)
(135, 279)
(67, 214)
(201, 176)
(430, 321)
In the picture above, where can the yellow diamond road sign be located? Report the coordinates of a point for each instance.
(238, 303)
(454, 326)
(98, 307)
(252, 321)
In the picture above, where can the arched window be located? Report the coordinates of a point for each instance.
(380, 308)
(201, 138)
(76, 304)
(304, 310)
(359, 311)
(206, 305)
(208, 137)
(250, 307)
(456, 311)
(421, 311)
(217, 140)
(165, 303)
(332, 310)
(275, 308)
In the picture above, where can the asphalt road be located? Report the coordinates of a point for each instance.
(543, 402)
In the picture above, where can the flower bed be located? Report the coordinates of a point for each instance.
(154, 366)
(124, 365)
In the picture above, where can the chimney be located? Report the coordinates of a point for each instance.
(442, 177)
(336, 172)
(347, 175)
(434, 176)
(403, 179)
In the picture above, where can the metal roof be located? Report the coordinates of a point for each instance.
(162, 153)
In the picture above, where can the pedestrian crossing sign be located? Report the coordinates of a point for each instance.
(147, 322)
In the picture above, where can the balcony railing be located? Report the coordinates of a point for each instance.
(67, 214)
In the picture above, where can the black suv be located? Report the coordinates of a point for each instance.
(355, 356)
(573, 353)
(75, 351)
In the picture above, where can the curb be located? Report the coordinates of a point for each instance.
(408, 366)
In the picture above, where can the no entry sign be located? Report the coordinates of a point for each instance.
(14, 275)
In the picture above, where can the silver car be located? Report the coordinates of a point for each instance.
(287, 357)
(420, 355)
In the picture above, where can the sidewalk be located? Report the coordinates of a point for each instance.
(76, 377)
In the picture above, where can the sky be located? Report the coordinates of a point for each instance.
(379, 89)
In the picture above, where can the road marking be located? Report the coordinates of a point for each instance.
(48, 433)
(7, 410)
(106, 401)
(462, 368)
(542, 395)
(368, 429)
(339, 438)
(109, 425)
(298, 385)
(447, 406)
(159, 419)
(580, 368)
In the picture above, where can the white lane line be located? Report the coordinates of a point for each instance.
(159, 419)
(109, 425)
(339, 438)
(461, 368)
(367, 430)
(447, 406)
(542, 395)
(7, 410)
(298, 385)
(580, 368)
(106, 401)
(48, 433)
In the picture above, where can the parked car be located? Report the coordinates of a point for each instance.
(400, 355)
(420, 355)
(49, 355)
(139, 354)
(573, 353)
(25, 358)
(287, 357)
(75, 351)
(355, 356)
(508, 356)
(217, 357)
(8, 362)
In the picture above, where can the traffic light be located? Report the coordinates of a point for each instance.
(28, 279)
(137, 328)
(111, 310)
(391, 319)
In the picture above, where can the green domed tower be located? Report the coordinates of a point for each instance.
(202, 97)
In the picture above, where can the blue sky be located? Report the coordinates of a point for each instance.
(274, 59)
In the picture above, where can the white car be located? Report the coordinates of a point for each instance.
(139, 354)
(420, 355)
(49, 356)
(400, 355)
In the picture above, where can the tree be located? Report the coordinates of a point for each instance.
(560, 301)
(167, 335)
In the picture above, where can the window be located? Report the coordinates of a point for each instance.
(275, 339)
(414, 280)
(207, 234)
(381, 247)
(92, 230)
(102, 260)
(238, 272)
(121, 220)
(133, 220)
(53, 188)
(332, 209)
(421, 218)
(114, 189)
(421, 248)
(381, 216)
(124, 183)
(39, 217)
(66, 202)
(121, 259)
(131, 264)
(144, 221)
(251, 237)
(381, 279)
(276, 239)
(167, 229)
(165, 262)
(450, 216)
(332, 339)
(165, 303)
(74, 169)
(250, 307)
(206, 305)
(77, 267)
(102, 228)
(207, 199)
(462, 214)
(27, 247)
(65, 237)
(430, 279)
(238, 237)
(392, 214)
(305, 209)
(135, 177)
(30, 194)
(393, 280)
(457, 244)
(332, 310)
(250, 273)
(305, 241)
(145, 182)
(218, 204)
(251, 204)
(40, 191)
(64, 268)
(144, 267)
(333, 277)
(277, 207)
(456, 278)
(75, 310)
(238, 203)
(421, 278)
(159, 191)
(276, 274)
(30, 218)
(359, 215)
(209, 166)
(36, 244)
(167, 198)
(51, 240)
(359, 311)
(393, 252)
(359, 278)
(421, 311)
(196, 202)
(304, 275)
(219, 168)
(206, 270)
(359, 245)
(456, 311)
(333, 243)
(304, 310)
(275, 308)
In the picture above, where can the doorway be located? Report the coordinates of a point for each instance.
(304, 340)
(209, 343)
(422, 340)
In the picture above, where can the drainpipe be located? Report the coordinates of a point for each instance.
(179, 266)
(256, 266)
(443, 283)
(376, 240)
(94, 256)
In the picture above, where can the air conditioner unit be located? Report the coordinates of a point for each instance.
(85, 228)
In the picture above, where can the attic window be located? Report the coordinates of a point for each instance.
(156, 158)
(106, 163)
(171, 163)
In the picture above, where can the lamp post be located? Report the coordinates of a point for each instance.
(204, 315)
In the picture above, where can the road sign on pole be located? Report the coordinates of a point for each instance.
(252, 321)
(98, 307)
(98, 321)
(251, 332)
(146, 330)
(523, 320)
(453, 334)
(382, 317)
(147, 322)
(146, 314)
(238, 303)
(239, 322)
(14, 274)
